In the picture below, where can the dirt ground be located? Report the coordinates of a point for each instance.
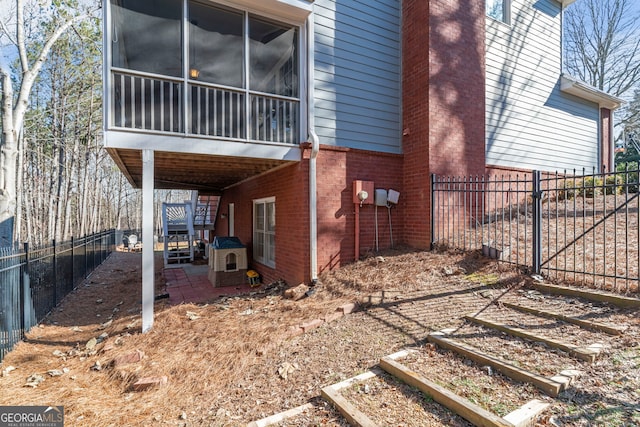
(233, 360)
(588, 241)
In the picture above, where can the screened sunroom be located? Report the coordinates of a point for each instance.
(202, 95)
(205, 78)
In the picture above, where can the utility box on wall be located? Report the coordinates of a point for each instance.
(363, 186)
(227, 262)
(380, 198)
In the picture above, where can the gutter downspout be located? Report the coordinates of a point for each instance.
(562, 69)
(612, 143)
(315, 148)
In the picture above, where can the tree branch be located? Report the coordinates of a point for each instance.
(22, 48)
(30, 76)
(5, 31)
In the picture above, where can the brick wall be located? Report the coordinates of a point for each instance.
(443, 132)
(290, 188)
(337, 169)
(443, 101)
(457, 87)
(498, 171)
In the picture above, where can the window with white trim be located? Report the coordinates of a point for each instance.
(264, 231)
(500, 10)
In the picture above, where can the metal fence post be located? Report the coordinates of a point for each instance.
(73, 269)
(22, 283)
(55, 275)
(433, 210)
(536, 197)
(85, 257)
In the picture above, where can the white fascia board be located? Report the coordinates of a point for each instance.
(291, 10)
(582, 90)
(179, 144)
(566, 3)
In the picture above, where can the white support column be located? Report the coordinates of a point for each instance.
(148, 276)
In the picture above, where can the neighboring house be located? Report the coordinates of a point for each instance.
(278, 106)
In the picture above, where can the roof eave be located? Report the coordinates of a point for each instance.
(582, 90)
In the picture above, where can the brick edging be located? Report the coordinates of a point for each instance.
(340, 311)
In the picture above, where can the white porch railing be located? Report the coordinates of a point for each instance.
(273, 119)
(146, 102)
(149, 102)
(217, 112)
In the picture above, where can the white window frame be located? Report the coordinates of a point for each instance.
(506, 12)
(268, 257)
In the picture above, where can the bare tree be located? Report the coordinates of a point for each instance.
(602, 44)
(15, 101)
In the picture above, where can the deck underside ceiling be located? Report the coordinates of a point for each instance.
(210, 174)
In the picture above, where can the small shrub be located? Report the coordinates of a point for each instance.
(589, 187)
(614, 184)
(567, 189)
(629, 173)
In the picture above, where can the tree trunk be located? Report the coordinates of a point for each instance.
(19, 190)
(8, 154)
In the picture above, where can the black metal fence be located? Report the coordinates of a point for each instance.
(34, 281)
(576, 228)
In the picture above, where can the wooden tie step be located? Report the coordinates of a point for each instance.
(585, 324)
(354, 416)
(551, 386)
(339, 395)
(591, 294)
(277, 418)
(521, 417)
(587, 354)
(524, 416)
(466, 409)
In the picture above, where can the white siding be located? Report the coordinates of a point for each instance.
(530, 124)
(357, 74)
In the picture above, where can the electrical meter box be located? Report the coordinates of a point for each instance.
(366, 186)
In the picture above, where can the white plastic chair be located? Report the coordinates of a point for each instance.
(133, 242)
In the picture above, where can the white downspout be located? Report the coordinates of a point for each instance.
(315, 147)
(612, 145)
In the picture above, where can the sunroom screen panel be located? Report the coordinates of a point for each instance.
(273, 58)
(147, 36)
(216, 45)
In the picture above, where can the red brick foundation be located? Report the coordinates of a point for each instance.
(443, 132)
(337, 168)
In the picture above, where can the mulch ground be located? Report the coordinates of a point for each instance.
(224, 359)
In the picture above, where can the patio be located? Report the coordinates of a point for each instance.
(189, 283)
